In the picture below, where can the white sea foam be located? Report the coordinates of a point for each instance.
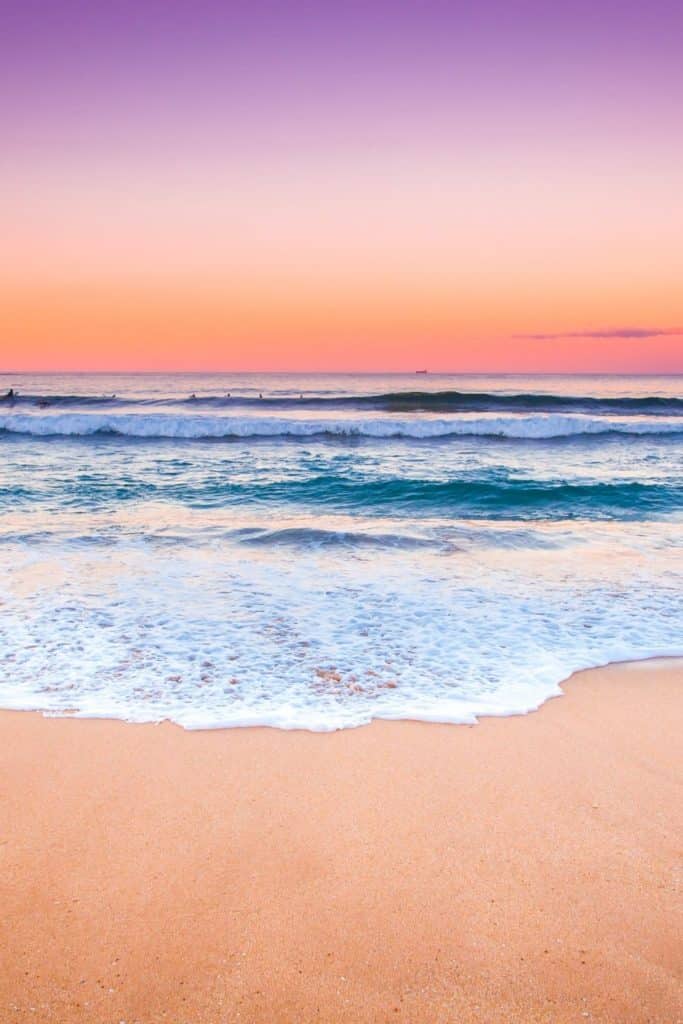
(321, 585)
(216, 635)
(166, 425)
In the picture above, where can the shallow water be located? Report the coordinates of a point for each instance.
(339, 549)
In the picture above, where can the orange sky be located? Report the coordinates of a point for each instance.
(372, 215)
(318, 269)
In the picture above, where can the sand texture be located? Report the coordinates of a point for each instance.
(522, 870)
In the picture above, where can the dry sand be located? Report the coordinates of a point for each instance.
(522, 870)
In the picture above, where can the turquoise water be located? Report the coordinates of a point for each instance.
(316, 551)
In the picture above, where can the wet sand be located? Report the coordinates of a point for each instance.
(522, 870)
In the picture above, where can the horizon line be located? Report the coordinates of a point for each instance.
(343, 373)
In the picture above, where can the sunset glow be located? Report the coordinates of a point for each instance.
(334, 187)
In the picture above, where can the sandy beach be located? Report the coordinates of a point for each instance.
(523, 870)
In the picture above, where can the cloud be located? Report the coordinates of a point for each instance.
(608, 332)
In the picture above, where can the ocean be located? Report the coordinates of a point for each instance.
(315, 551)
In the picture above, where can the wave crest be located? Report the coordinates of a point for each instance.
(446, 401)
(540, 426)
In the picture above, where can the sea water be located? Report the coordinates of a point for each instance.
(318, 551)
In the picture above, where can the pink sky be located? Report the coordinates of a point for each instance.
(367, 187)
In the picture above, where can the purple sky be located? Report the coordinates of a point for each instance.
(516, 158)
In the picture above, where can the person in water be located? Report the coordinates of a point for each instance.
(11, 394)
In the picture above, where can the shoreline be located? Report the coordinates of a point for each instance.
(524, 871)
(648, 660)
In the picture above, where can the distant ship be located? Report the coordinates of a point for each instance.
(420, 371)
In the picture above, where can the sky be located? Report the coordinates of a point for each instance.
(484, 186)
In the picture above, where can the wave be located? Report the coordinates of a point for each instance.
(502, 498)
(539, 426)
(484, 401)
(496, 497)
(48, 401)
(449, 401)
(306, 536)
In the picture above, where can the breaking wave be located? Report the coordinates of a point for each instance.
(537, 426)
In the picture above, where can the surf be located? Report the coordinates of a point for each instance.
(538, 426)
